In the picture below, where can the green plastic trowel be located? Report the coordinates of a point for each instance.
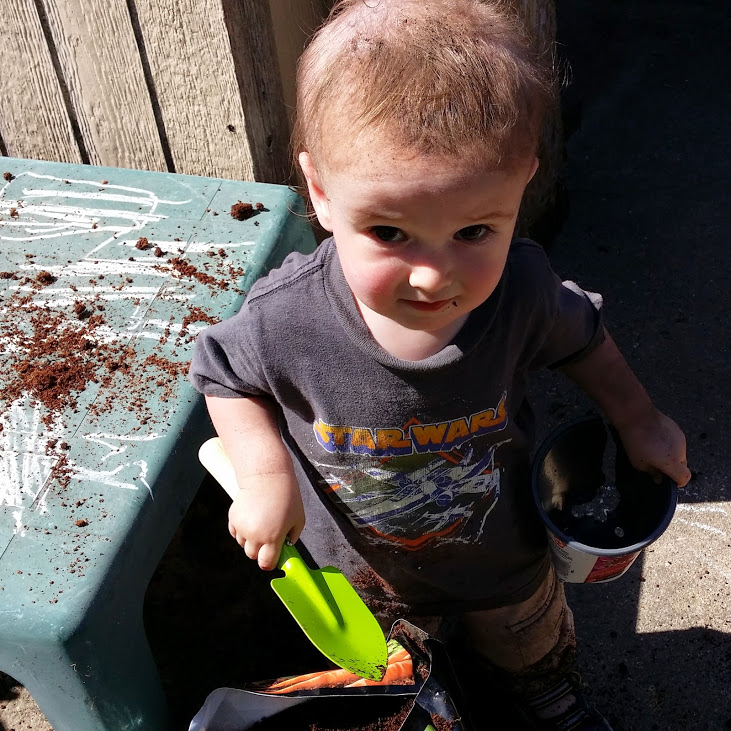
(324, 604)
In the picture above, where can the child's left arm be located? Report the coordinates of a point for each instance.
(654, 442)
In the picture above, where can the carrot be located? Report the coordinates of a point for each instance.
(398, 656)
(326, 679)
(395, 671)
(393, 646)
(292, 679)
(342, 678)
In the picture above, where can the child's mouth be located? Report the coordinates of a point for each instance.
(431, 306)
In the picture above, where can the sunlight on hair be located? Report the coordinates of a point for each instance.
(451, 77)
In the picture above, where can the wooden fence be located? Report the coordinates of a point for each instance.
(190, 86)
(203, 87)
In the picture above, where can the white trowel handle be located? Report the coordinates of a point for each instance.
(213, 457)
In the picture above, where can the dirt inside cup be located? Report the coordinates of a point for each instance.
(599, 512)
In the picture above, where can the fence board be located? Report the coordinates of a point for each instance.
(254, 54)
(34, 122)
(189, 56)
(101, 64)
(294, 22)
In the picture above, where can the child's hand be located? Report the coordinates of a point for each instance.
(267, 509)
(268, 506)
(655, 444)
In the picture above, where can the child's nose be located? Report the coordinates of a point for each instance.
(431, 276)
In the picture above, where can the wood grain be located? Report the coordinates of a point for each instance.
(189, 56)
(34, 122)
(254, 55)
(293, 23)
(101, 65)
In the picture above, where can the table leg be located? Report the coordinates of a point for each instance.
(103, 678)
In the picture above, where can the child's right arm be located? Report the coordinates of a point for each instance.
(268, 506)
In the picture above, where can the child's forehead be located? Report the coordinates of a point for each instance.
(400, 185)
(341, 135)
(378, 156)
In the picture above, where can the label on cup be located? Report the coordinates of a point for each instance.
(577, 567)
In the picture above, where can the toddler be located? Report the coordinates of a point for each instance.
(377, 387)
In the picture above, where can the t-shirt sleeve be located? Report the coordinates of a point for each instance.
(250, 353)
(578, 322)
(566, 321)
(226, 361)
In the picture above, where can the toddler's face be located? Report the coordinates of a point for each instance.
(422, 240)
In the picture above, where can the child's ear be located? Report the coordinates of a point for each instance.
(317, 193)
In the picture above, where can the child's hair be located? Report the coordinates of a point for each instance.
(443, 77)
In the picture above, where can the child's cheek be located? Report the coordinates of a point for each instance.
(379, 281)
(484, 270)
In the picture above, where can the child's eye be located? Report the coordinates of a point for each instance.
(388, 234)
(472, 233)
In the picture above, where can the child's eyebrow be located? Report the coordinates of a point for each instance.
(395, 217)
(360, 214)
(486, 216)
(491, 216)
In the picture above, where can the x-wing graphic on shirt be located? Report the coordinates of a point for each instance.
(419, 499)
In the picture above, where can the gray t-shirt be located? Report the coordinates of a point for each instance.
(415, 475)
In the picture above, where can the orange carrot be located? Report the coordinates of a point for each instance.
(399, 655)
(326, 679)
(291, 679)
(395, 671)
(340, 678)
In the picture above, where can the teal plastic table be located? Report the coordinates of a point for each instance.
(106, 276)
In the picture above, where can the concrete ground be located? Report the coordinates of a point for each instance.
(648, 114)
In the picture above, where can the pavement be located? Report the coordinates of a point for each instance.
(647, 116)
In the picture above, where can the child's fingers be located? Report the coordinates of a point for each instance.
(294, 535)
(238, 537)
(265, 555)
(251, 548)
(268, 556)
(657, 475)
(679, 473)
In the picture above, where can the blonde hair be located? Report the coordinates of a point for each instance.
(438, 77)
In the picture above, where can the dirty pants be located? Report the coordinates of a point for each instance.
(532, 642)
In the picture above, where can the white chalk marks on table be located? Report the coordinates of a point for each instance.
(86, 262)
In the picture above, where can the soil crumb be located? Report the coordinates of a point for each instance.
(45, 278)
(241, 211)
